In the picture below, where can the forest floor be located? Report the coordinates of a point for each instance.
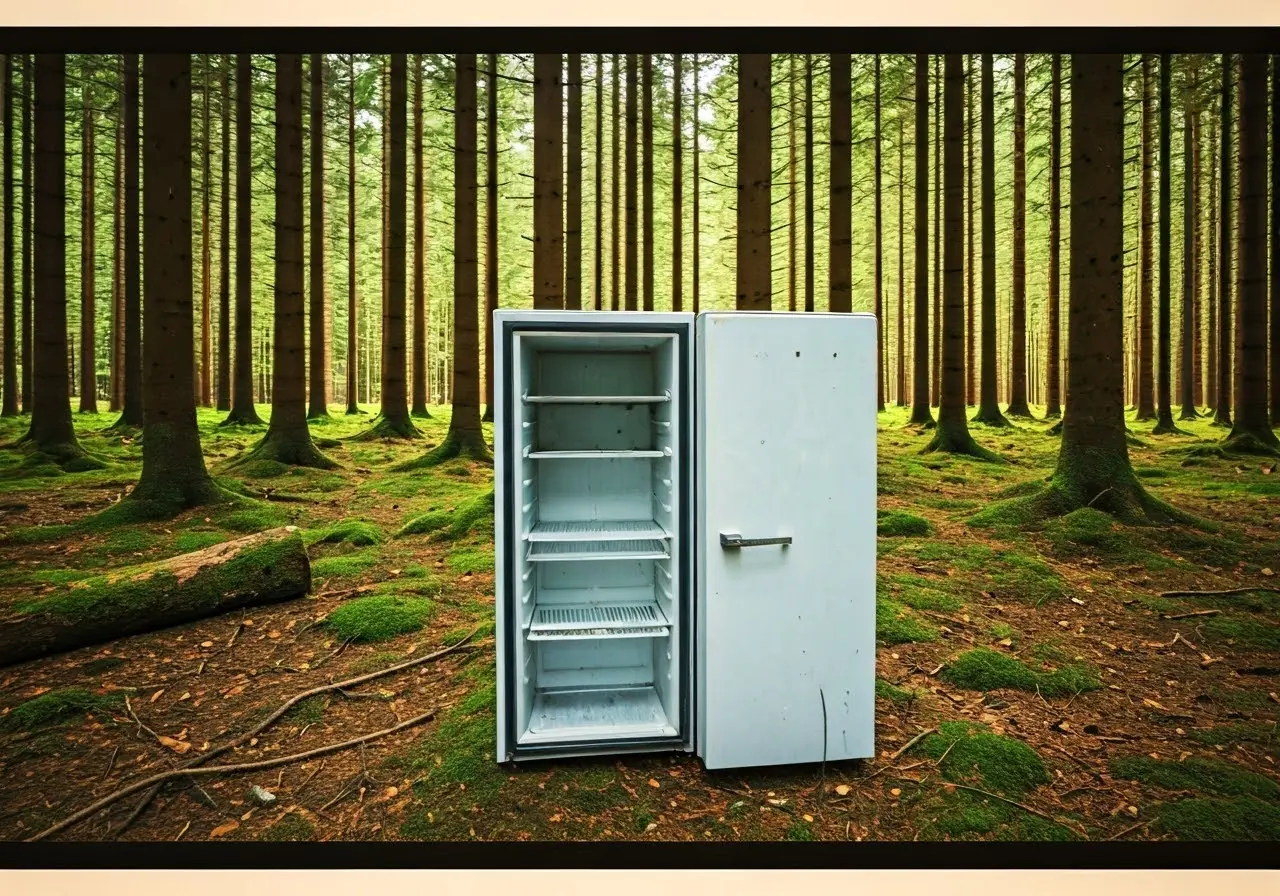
(1064, 698)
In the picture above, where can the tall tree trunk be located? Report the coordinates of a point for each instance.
(353, 300)
(224, 248)
(988, 398)
(677, 184)
(695, 262)
(465, 436)
(793, 185)
(1226, 204)
(491, 221)
(614, 186)
(419, 366)
(1275, 241)
(1018, 323)
(28, 178)
(9, 403)
(920, 413)
(394, 420)
(288, 440)
(755, 106)
(808, 183)
(1146, 386)
(51, 432)
(243, 411)
(953, 427)
(599, 151)
(318, 349)
(841, 204)
(385, 243)
(1093, 463)
(1189, 266)
(1211, 310)
(632, 249)
(1252, 429)
(646, 136)
(936, 368)
(1053, 350)
(88, 259)
(1197, 253)
(548, 168)
(1164, 387)
(842, 200)
(900, 392)
(117, 259)
(573, 210)
(970, 367)
(206, 255)
(173, 471)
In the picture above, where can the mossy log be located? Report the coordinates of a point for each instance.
(263, 568)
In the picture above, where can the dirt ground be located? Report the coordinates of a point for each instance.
(1031, 685)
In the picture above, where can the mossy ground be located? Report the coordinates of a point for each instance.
(992, 635)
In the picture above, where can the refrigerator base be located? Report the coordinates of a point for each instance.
(561, 717)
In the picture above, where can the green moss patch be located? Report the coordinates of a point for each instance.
(888, 691)
(896, 624)
(1238, 819)
(970, 816)
(345, 566)
(356, 532)
(975, 755)
(292, 828)
(254, 519)
(1196, 774)
(900, 524)
(379, 617)
(1247, 633)
(58, 706)
(920, 593)
(473, 516)
(1240, 732)
(984, 669)
(473, 562)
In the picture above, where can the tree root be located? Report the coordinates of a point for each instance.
(990, 418)
(470, 446)
(384, 427)
(155, 781)
(293, 451)
(243, 417)
(1258, 441)
(960, 441)
(1261, 589)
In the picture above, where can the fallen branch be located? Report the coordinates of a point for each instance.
(1191, 615)
(1129, 830)
(1025, 808)
(284, 707)
(209, 770)
(1260, 589)
(911, 743)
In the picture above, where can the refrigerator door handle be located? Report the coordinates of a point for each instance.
(732, 540)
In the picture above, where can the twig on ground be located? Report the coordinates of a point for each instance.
(112, 762)
(1080, 762)
(181, 832)
(235, 634)
(1023, 807)
(1098, 495)
(911, 743)
(288, 704)
(1190, 615)
(341, 647)
(1260, 589)
(317, 771)
(224, 770)
(1129, 830)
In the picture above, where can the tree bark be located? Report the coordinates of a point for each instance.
(988, 398)
(573, 205)
(646, 137)
(51, 433)
(9, 402)
(88, 263)
(599, 152)
(936, 367)
(117, 257)
(841, 228)
(1164, 361)
(695, 261)
(677, 188)
(419, 365)
(224, 248)
(243, 411)
(1275, 241)
(953, 428)
(842, 222)
(1252, 430)
(755, 106)
(1211, 300)
(206, 256)
(393, 420)
(1018, 324)
(353, 299)
(491, 223)
(793, 185)
(900, 392)
(1146, 364)
(1226, 200)
(318, 348)
(921, 415)
(1189, 260)
(28, 178)
(548, 167)
(615, 185)
(970, 367)
(173, 471)
(258, 569)
(288, 440)
(465, 437)
(1053, 349)
(808, 184)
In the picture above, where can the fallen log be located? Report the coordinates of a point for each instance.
(263, 568)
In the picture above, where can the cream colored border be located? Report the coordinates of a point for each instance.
(516, 13)
(929, 13)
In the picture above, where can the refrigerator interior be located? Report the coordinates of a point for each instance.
(597, 493)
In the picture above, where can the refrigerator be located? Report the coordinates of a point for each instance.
(685, 535)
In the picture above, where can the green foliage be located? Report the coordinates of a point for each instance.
(900, 524)
(356, 532)
(1238, 819)
(1197, 774)
(975, 755)
(380, 617)
(984, 669)
(58, 706)
(800, 832)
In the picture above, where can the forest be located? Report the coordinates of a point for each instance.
(246, 428)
